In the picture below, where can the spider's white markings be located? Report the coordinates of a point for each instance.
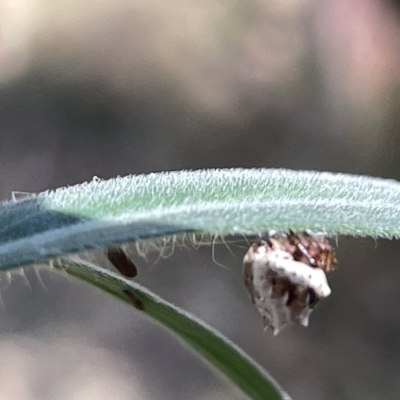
(283, 289)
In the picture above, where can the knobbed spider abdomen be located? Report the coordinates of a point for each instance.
(285, 276)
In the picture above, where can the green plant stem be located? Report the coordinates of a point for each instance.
(219, 351)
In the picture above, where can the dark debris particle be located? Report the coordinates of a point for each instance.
(138, 304)
(121, 261)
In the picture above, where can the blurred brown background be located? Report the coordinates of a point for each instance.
(106, 88)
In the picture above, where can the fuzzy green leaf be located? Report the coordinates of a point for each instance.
(224, 202)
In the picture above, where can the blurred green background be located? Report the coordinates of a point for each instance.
(106, 88)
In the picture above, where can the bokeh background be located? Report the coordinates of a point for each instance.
(106, 88)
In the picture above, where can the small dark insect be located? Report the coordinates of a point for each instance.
(137, 303)
(121, 261)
